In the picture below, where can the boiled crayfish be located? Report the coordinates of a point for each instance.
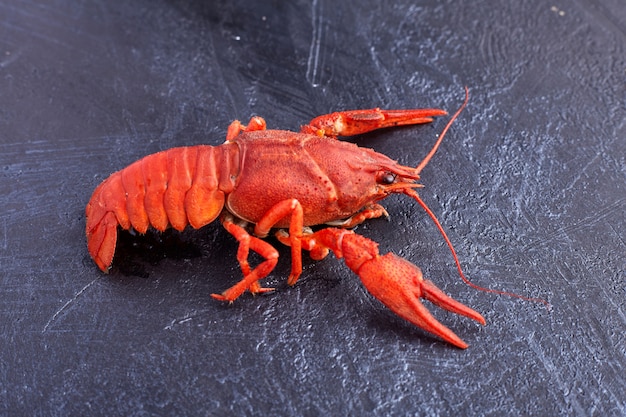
(276, 179)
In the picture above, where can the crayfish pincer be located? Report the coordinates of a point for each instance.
(396, 282)
(260, 180)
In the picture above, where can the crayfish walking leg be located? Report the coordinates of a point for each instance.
(251, 278)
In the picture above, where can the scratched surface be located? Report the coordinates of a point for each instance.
(530, 184)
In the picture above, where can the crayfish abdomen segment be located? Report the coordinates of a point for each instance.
(176, 187)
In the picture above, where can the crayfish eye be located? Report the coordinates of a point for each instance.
(386, 178)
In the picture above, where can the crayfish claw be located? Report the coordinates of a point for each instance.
(415, 312)
(437, 297)
(394, 281)
(399, 285)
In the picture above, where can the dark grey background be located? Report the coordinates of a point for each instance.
(530, 185)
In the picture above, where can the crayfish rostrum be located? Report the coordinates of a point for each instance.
(277, 179)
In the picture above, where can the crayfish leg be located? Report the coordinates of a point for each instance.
(236, 127)
(279, 211)
(308, 242)
(251, 276)
(372, 211)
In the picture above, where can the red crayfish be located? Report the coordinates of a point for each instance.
(276, 179)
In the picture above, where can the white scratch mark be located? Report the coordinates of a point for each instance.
(313, 63)
(583, 223)
(186, 318)
(581, 172)
(67, 304)
(9, 58)
(5, 240)
(619, 236)
(556, 375)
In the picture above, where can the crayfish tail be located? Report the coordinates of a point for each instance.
(101, 241)
(102, 220)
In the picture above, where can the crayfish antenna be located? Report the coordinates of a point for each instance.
(428, 157)
(428, 211)
(412, 193)
(394, 281)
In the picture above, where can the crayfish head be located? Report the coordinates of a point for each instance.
(399, 285)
